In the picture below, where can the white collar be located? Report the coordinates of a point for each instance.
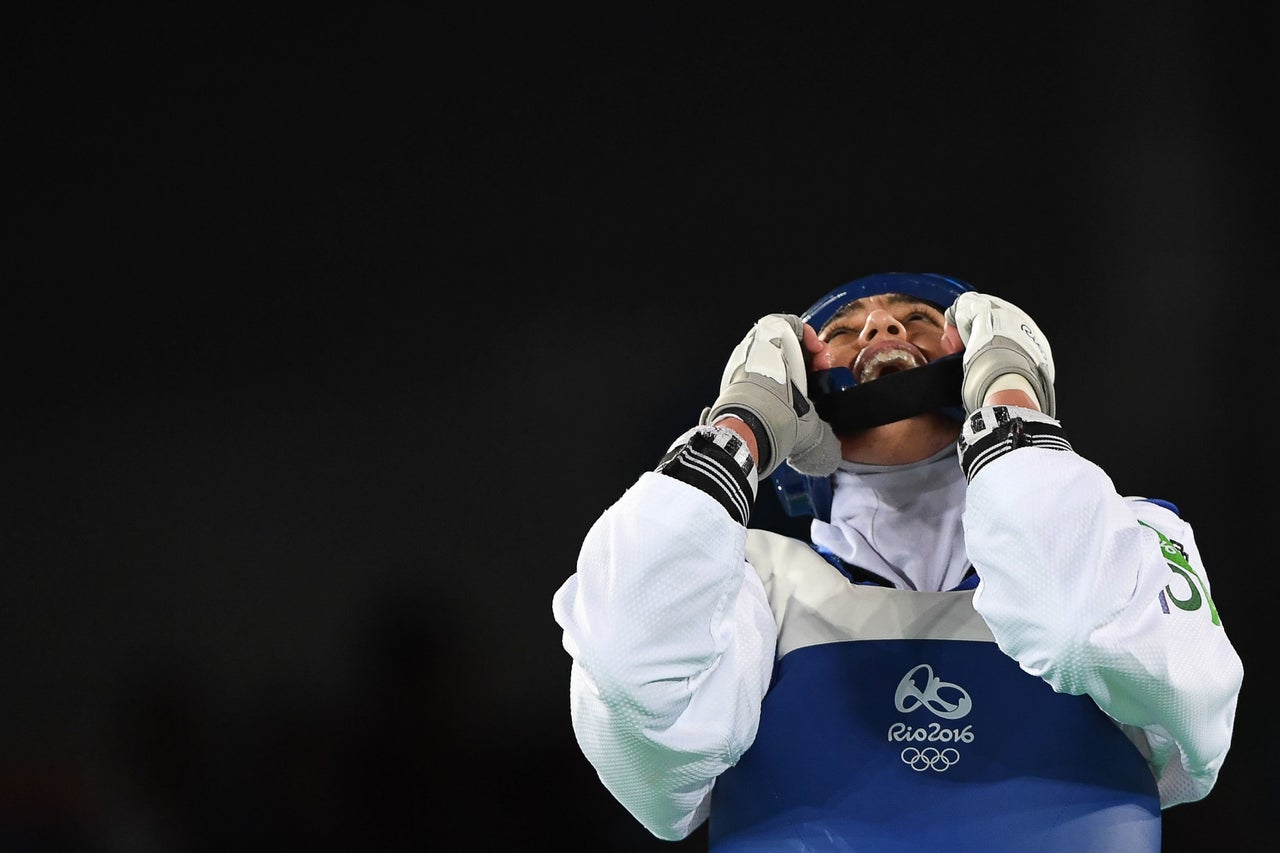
(900, 522)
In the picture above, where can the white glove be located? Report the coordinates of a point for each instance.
(765, 383)
(1000, 340)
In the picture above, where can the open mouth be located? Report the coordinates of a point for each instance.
(889, 357)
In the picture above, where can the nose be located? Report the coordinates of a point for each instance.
(880, 322)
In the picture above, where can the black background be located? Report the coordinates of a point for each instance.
(328, 333)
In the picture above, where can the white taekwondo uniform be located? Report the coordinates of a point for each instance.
(1000, 654)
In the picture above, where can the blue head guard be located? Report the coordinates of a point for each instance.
(846, 405)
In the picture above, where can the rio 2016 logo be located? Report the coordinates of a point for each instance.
(934, 732)
(942, 699)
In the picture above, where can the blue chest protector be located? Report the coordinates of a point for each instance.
(894, 723)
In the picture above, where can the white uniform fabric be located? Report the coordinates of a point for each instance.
(673, 641)
(900, 522)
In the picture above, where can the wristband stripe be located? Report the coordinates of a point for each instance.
(716, 461)
(994, 431)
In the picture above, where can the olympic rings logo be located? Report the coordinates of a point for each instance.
(930, 758)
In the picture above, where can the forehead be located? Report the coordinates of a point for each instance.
(858, 307)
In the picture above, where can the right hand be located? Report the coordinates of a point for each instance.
(1000, 340)
(766, 384)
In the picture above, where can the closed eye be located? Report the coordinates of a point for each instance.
(919, 316)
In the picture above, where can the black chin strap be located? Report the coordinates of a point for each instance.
(849, 406)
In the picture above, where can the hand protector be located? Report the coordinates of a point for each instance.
(765, 383)
(1000, 339)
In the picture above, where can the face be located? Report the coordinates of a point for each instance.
(878, 335)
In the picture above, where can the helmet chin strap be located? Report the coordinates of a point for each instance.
(847, 405)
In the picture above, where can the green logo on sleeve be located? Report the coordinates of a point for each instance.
(1176, 557)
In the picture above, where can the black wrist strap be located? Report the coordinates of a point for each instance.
(715, 460)
(993, 431)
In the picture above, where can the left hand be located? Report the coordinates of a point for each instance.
(999, 340)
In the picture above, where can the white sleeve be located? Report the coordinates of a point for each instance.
(1099, 594)
(672, 642)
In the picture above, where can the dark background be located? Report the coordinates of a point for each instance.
(329, 333)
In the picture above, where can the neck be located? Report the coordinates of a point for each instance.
(902, 441)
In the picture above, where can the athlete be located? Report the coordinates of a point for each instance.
(983, 646)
